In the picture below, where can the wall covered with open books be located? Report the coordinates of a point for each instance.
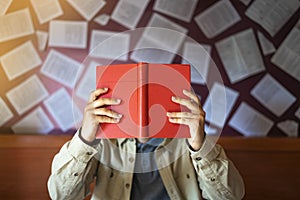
(244, 54)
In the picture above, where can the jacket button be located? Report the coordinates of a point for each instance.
(127, 185)
(198, 158)
(131, 159)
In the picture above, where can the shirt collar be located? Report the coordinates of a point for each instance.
(166, 143)
(154, 141)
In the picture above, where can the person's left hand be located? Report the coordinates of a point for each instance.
(194, 119)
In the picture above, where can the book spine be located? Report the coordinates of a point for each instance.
(143, 99)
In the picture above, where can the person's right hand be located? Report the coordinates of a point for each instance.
(96, 112)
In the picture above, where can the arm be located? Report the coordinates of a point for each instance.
(73, 170)
(217, 176)
(74, 167)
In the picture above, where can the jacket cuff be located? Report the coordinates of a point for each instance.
(80, 150)
(209, 151)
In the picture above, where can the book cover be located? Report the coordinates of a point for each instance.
(145, 90)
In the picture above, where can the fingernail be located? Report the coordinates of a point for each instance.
(105, 89)
(173, 98)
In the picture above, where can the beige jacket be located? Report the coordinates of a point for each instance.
(185, 174)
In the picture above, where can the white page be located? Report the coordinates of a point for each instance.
(209, 130)
(36, 122)
(5, 114)
(272, 14)
(266, 45)
(46, 10)
(15, 25)
(109, 44)
(245, 2)
(160, 41)
(102, 19)
(62, 109)
(4, 5)
(240, 55)
(289, 127)
(147, 50)
(219, 104)
(271, 94)
(61, 68)
(68, 34)
(297, 113)
(198, 56)
(87, 84)
(250, 122)
(87, 8)
(20, 60)
(179, 9)
(160, 35)
(42, 38)
(129, 12)
(287, 57)
(27, 94)
(217, 18)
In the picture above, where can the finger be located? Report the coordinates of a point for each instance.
(107, 112)
(105, 119)
(192, 96)
(183, 115)
(186, 102)
(95, 94)
(106, 101)
(183, 121)
(187, 121)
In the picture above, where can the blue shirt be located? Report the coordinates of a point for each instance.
(147, 183)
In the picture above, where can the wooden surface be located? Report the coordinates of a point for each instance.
(269, 166)
(25, 165)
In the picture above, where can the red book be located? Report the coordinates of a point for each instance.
(145, 90)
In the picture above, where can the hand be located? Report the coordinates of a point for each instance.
(194, 119)
(96, 112)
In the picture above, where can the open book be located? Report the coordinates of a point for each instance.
(145, 90)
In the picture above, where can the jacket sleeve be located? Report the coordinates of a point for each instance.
(218, 178)
(73, 170)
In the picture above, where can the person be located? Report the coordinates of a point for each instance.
(116, 170)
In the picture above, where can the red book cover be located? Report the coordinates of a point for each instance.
(145, 90)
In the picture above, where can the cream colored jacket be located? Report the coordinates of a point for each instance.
(186, 174)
